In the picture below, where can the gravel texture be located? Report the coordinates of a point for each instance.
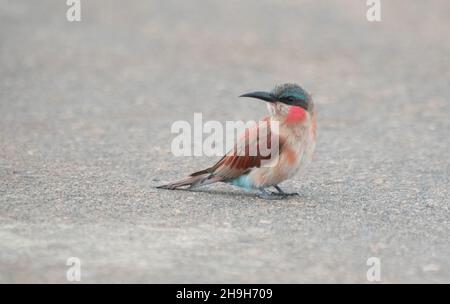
(86, 109)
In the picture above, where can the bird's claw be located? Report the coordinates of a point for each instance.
(285, 193)
(282, 193)
(270, 196)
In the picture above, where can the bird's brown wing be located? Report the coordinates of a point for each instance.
(246, 153)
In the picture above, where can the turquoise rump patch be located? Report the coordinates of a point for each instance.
(242, 181)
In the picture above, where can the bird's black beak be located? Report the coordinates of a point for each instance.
(261, 95)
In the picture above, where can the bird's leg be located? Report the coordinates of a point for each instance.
(282, 193)
(269, 195)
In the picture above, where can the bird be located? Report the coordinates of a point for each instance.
(292, 110)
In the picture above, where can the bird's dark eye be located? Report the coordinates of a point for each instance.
(289, 98)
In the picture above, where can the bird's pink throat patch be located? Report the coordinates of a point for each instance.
(295, 115)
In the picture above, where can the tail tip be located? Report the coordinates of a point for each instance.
(164, 187)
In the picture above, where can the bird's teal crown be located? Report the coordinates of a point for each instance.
(290, 90)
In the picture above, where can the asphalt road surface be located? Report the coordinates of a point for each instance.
(85, 136)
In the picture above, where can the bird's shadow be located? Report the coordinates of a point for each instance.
(235, 194)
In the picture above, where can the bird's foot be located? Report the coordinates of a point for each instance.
(270, 195)
(285, 193)
(282, 193)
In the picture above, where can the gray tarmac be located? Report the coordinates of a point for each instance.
(85, 137)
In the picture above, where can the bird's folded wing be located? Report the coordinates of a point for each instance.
(250, 150)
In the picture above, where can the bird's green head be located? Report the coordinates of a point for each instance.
(288, 93)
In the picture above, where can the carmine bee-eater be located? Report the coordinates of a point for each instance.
(292, 109)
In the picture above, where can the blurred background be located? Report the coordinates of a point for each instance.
(86, 109)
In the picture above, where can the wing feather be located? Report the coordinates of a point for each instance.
(238, 161)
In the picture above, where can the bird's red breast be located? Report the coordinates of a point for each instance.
(295, 115)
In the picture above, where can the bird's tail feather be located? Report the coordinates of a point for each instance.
(196, 179)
